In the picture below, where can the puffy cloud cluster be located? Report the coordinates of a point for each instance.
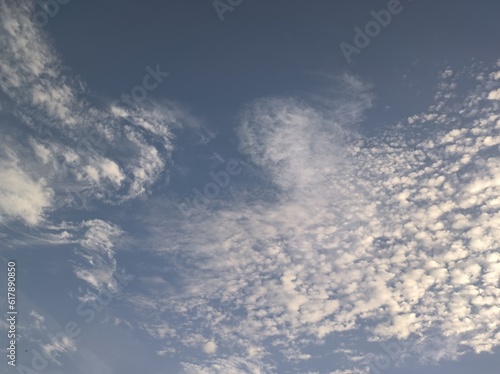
(393, 236)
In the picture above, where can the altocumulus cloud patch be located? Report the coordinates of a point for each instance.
(395, 236)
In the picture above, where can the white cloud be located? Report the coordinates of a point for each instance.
(21, 196)
(210, 347)
(97, 243)
(494, 95)
(350, 371)
(112, 153)
(447, 73)
(58, 345)
(495, 75)
(395, 235)
(39, 320)
(233, 365)
(159, 331)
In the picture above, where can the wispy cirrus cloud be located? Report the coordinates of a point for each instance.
(84, 149)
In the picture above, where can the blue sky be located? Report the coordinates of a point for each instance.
(251, 187)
